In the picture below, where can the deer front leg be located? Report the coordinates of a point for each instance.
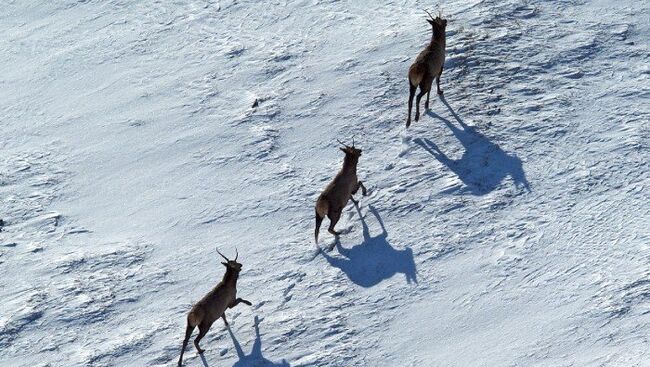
(354, 192)
(356, 188)
(364, 192)
(224, 319)
(438, 82)
(238, 301)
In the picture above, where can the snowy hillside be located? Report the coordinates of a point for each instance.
(508, 227)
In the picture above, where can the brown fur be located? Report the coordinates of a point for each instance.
(427, 67)
(213, 305)
(335, 197)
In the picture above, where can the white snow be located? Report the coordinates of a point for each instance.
(507, 227)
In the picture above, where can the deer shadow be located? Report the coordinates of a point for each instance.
(255, 357)
(374, 260)
(483, 165)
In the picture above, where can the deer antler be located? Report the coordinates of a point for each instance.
(340, 142)
(222, 255)
(236, 253)
(429, 14)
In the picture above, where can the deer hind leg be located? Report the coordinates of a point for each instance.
(425, 87)
(334, 216)
(203, 329)
(417, 103)
(188, 333)
(411, 95)
(426, 104)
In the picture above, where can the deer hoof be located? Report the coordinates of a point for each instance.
(440, 92)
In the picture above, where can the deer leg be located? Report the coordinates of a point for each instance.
(364, 192)
(224, 318)
(417, 103)
(353, 201)
(438, 82)
(356, 188)
(334, 216)
(238, 301)
(411, 94)
(426, 104)
(363, 189)
(203, 329)
(188, 333)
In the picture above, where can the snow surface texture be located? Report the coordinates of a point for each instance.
(508, 227)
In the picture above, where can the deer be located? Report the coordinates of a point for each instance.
(428, 66)
(214, 304)
(335, 197)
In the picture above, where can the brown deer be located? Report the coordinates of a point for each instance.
(213, 305)
(336, 195)
(428, 66)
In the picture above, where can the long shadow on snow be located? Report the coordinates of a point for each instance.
(374, 259)
(483, 165)
(255, 358)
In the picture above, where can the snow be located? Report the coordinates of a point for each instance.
(507, 227)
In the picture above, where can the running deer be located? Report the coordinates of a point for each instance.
(428, 66)
(213, 305)
(336, 195)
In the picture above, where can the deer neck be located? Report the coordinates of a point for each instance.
(230, 277)
(437, 40)
(350, 164)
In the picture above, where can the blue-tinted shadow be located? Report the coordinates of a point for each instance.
(483, 165)
(255, 357)
(374, 260)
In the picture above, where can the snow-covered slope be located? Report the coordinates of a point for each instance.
(508, 227)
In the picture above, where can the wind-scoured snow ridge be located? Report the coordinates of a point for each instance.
(507, 227)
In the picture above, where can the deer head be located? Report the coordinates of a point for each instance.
(231, 264)
(350, 151)
(438, 24)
